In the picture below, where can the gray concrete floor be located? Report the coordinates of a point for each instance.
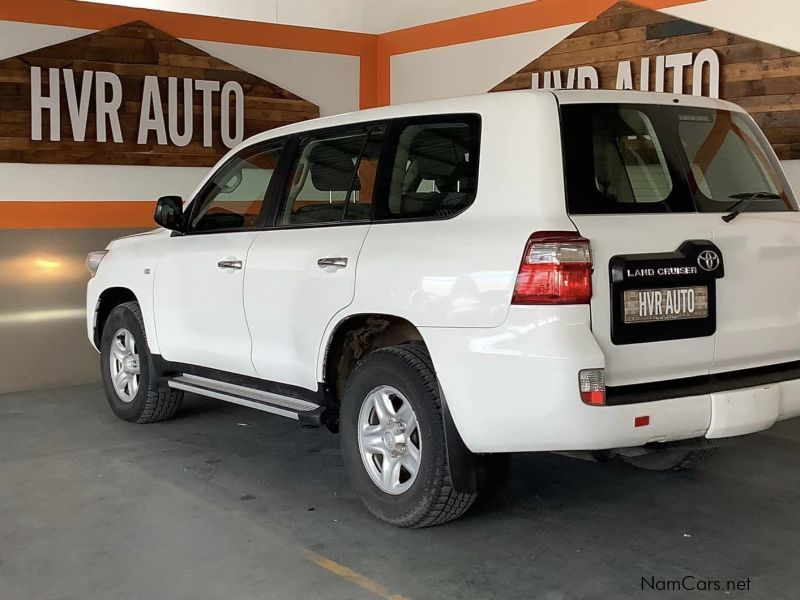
(225, 502)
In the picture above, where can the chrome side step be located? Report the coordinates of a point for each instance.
(284, 406)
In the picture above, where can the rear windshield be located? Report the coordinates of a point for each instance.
(629, 158)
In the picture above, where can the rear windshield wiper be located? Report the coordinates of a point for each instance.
(744, 201)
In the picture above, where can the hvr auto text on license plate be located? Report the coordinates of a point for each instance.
(666, 304)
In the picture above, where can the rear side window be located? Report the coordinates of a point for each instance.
(434, 170)
(626, 158)
(333, 179)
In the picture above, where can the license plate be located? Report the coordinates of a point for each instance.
(666, 304)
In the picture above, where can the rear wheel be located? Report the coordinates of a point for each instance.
(392, 438)
(130, 379)
(668, 460)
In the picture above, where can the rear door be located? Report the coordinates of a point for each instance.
(301, 270)
(674, 286)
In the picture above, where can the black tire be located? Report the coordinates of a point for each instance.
(431, 499)
(668, 460)
(153, 401)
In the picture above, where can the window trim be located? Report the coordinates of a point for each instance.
(383, 181)
(256, 148)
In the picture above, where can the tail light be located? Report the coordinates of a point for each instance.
(592, 383)
(556, 269)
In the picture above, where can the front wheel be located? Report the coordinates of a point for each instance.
(392, 438)
(129, 376)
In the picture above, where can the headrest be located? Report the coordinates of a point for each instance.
(332, 168)
(437, 153)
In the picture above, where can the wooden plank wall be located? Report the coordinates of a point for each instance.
(132, 51)
(763, 78)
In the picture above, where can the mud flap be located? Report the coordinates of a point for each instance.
(470, 472)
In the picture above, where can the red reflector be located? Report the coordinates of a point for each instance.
(641, 421)
(556, 269)
(598, 398)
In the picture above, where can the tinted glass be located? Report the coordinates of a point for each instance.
(617, 161)
(234, 197)
(434, 168)
(657, 158)
(331, 181)
(629, 163)
(727, 158)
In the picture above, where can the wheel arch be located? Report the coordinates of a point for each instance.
(106, 301)
(352, 337)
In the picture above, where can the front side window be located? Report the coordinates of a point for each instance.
(234, 197)
(332, 180)
(435, 168)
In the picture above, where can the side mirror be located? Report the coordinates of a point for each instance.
(169, 213)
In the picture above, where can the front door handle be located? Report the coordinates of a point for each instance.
(338, 262)
(230, 264)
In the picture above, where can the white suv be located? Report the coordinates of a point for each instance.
(448, 282)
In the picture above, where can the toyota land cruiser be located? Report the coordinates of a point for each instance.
(449, 282)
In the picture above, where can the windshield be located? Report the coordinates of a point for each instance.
(625, 158)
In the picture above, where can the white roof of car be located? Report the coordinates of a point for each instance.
(636, 97)
(496, 101)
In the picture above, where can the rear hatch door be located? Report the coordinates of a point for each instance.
(674, 286)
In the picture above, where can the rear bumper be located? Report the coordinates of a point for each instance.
(739, 412)
(515, 389)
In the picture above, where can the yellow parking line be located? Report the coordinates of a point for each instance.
(358, 579)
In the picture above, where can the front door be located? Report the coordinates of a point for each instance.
(199, 279)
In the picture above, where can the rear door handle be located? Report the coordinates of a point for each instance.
(230, 264)
(338, 262)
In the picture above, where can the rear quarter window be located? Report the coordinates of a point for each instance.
(433, 167)
(616, 162)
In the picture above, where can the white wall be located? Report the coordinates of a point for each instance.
(19, 38)
(771, 21)
(762, 18)
(331, 81)
(346, 15)
(381, 16)
(367, 16)
(467, 69)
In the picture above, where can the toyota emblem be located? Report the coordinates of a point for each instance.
(708, 260)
